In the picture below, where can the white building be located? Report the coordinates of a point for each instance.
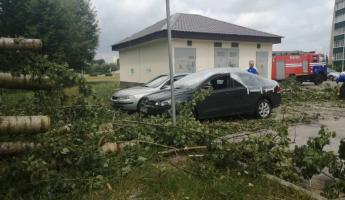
(199, 42)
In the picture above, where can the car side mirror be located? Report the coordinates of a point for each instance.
(165, 87)
(206, 87)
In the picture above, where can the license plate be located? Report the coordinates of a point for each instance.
(143, 109)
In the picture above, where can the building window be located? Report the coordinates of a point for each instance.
(189, 43)
(258, 46)
(338, 56)
(340, 5)
(234, 45)
(217, 44)
(338, 43)
(340, 18)
(339, 31)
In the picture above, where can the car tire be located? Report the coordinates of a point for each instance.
(139, 104)
(318, 79)
(263, 109)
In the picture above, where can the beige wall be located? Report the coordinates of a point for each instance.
(143, 62)
(248, 52)
(205, 52)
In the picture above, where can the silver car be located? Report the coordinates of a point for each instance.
(129, 99)
(332, 74)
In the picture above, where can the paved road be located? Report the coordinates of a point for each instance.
(302, 133)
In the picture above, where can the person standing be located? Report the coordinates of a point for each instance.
(252, 69)
(341, 88)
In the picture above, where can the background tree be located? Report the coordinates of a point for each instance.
(68, 28)
(99, 66)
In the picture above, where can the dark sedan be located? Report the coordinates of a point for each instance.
(233, 92)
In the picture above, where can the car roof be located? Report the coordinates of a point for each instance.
(252, 82)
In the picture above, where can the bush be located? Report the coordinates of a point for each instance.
(108, 74)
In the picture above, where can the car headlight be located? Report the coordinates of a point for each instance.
(163, 103)
(125, 98)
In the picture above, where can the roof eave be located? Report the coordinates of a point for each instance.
(197, 35)
(150, 37)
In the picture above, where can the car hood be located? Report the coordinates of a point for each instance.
(134, 91)
(334, 73)
(180, 94)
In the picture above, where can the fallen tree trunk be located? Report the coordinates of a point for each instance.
(8, 148)
(8, 81)
(24, 124)
(182, 150)
(20, 43)
(113, 147)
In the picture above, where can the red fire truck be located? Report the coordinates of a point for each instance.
(305, 66)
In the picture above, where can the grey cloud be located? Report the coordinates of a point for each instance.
(305, 24)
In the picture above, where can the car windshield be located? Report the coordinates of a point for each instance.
(329, 70)
(156, 82)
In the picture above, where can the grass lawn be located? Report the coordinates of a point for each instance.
(102, 78)
(103, 86)
(163, 181)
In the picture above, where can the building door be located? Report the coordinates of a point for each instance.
(234, 57)
(221, 57)
(185, 60)
(226, 57)
(280, 70)
(262, 63)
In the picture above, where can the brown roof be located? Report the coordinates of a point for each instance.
(197, 27)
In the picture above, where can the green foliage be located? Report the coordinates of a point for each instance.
(267, 153)
(311, 159)
(188, 109)
(68, 29)
(72, 163)
(101, 67)
(341, 150)
(294, 93)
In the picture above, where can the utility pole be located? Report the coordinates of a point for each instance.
(171, 65)
(343, 56)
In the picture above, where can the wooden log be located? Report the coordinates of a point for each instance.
(8, 81)
(182, 150)
(8, 148)
(114, 147)
(24, 124)
(20, 43)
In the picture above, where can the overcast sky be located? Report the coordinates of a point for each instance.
(305, 24)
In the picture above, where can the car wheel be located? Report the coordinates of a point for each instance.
(263, 109)
(140, 104)
(318, 79)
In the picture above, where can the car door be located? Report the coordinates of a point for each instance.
(216, 104)
(237, 98)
